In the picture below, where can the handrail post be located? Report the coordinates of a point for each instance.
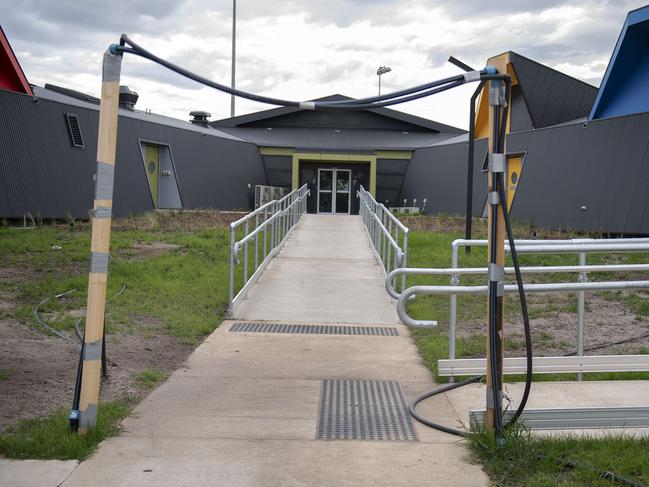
(245, 254)
(256, 242)
(265, 229)
(581, 309)
(231, 285)
(404, 259)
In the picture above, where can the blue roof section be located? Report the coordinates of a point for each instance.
(624, 88)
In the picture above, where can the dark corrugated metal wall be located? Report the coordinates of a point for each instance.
(438, 174)
(603, 167)
(389, 180)
(42, 174)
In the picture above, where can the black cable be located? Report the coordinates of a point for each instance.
(523, 300)
(439, 390)
(360, 104)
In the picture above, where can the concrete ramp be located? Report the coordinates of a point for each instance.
(312, 393)
(326, 272)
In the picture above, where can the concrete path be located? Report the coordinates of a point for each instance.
(244, 409)
(32, 473)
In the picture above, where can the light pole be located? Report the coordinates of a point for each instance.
(379, 72)
(234, 51)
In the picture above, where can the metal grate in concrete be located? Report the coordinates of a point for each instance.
(364, 410)
(314, 329)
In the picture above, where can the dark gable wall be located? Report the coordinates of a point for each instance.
(604, 166)
(438, 174)
(278, 170)
(42, 174)
(389, 180)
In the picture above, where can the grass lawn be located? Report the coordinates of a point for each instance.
(49, 437)
(527, 460)
(164, 269)
(427, 249)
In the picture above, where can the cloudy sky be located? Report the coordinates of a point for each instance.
(304, 49)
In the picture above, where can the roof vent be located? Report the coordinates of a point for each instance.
(127, 98)
(74, 129)
(200, 117)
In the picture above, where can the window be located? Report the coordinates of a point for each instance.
(76, 137)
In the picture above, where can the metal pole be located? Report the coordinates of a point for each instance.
(581, 308)
(265, 229)
(469, 176)
(231, 286)
(256, 241)
(234, 53)
(404, 262)
(100, 243)
(245, 254)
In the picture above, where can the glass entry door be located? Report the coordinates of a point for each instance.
(334, 191)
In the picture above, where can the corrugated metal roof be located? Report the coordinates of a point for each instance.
(551, 97)
(335, 139)
(275, 114)
(41, 173)
(58, 96)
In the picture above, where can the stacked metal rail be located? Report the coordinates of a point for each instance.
(263, 232)
(388, 235)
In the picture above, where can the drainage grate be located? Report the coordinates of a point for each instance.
(364, 410)
(315, 329)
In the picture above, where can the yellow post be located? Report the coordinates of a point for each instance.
(101, 220)
(496, 246)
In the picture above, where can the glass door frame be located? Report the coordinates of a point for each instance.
(334, 190)
(348, 192)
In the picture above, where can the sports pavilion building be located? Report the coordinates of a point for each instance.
(577, 154)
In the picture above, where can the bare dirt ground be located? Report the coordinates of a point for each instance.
(39, 370)
(605, 322)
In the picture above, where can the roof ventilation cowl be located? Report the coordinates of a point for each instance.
(200, 117)
(127, 98)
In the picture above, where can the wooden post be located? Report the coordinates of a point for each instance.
(101, 220)
(496, 238)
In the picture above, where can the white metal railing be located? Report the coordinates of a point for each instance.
(388, 235)
(578, 246)
(265, 230)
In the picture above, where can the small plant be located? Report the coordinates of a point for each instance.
(5, 374)
(50, 436)
(149, 378)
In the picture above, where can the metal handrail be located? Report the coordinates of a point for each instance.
(275, 220)
(509, 288)
(578, 246)
(462, 271)
(388, 235)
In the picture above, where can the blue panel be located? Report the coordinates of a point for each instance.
(625, 84)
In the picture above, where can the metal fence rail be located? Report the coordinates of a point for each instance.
(264, 231)
(388, 235)
(578, 246)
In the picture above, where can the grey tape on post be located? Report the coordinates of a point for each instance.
(92, 350)
(111, 67)
(102, 212)
(472, 76)
(105, 179)
(496, 272)
(99, 262)
(307, 105)
(88, 418)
